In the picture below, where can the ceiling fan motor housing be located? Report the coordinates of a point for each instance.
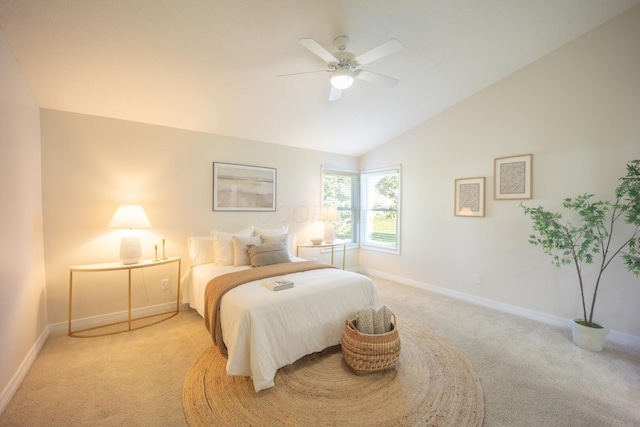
(346, 60)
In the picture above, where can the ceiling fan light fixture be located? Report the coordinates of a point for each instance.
(342, 79)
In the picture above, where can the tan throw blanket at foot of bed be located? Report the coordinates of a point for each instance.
(220, 285)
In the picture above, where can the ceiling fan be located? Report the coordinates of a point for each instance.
(344, 66)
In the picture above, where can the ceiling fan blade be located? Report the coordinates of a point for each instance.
(304, 72)
(386, 48)
(368, 76)
(335, 94)
(316, 48)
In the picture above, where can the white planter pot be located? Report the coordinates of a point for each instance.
(591, 339)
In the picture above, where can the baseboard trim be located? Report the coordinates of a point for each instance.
(16, 380)
(616, 337)
(120, 316)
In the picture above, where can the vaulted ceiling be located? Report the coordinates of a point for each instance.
(213, 66)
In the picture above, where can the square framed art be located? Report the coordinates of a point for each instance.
(469, 197)
(243, 188)
(512, 177)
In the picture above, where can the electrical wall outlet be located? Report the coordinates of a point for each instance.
(164, 284)
(477, 279)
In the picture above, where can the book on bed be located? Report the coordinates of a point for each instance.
(277, 284)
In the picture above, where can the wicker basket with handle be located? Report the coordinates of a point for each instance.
(367, 353)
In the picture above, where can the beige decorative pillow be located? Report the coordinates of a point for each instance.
(240, 247)
(267, 254)
(223, 245)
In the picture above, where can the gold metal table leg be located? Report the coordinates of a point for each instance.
(129, 299)
(178, 295)
(70, 299)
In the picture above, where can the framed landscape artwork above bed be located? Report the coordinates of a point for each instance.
(243, 188)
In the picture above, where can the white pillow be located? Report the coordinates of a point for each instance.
(223, 245)
(240, 246)
(201, 249)
(291, 243)
(270, 231)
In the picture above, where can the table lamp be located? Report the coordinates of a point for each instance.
(329, 214)
(130, 217)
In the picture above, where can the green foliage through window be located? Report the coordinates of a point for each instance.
(340, 189)
(380, 207)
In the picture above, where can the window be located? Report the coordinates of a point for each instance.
(340, 188)
(381, 209)
(368, 206)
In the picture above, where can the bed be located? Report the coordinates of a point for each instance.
(264, 330)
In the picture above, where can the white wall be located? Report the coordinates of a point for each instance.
(577, 111)
(23, 311)
(91, 165)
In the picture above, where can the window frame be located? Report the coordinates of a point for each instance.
(365, 210)
(355, 201)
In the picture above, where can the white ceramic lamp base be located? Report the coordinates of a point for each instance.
(329, 233)
(130, 250)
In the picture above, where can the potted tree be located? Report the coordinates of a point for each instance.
(594, 239)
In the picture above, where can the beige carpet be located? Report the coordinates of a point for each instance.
(433, 384)
(531, 374)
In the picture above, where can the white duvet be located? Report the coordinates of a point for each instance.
(266, 330)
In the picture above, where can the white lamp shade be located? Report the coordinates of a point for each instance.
(342, 79)
(130, 216)
(330, 213)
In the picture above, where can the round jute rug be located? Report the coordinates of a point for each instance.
(432, 385)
